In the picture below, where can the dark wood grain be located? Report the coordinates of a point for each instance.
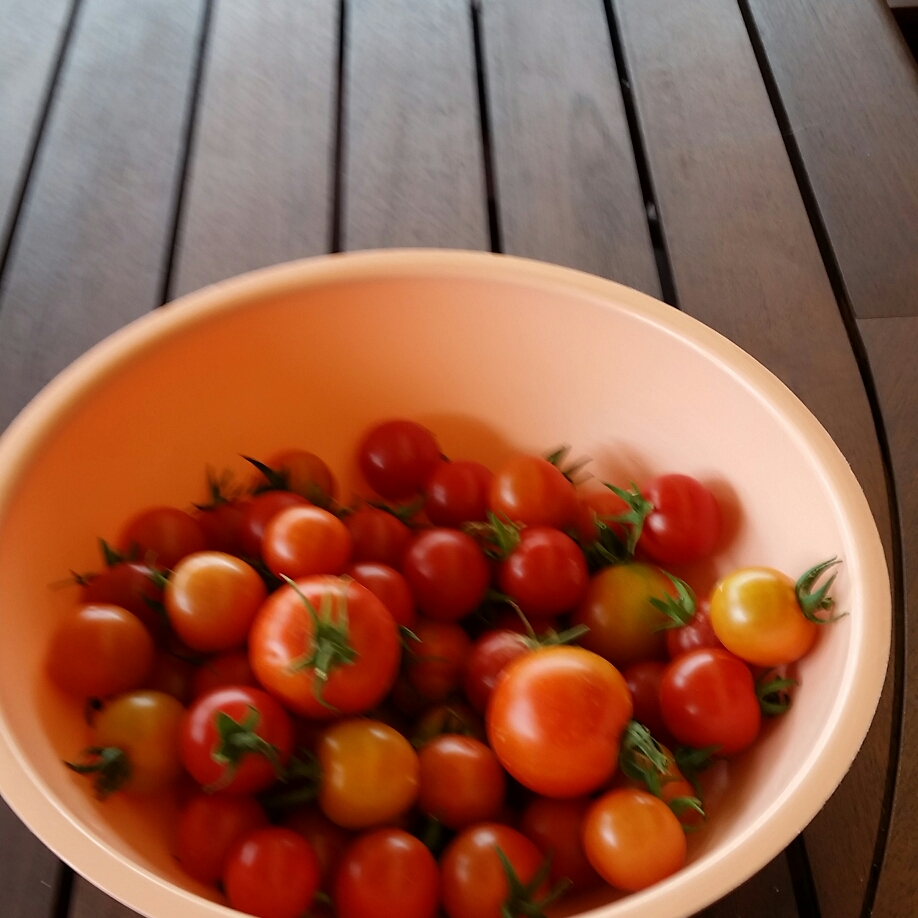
(559, 126)
(413, 172)
(29, 872)
(30, 44)
(769, 893)
(89, 252)
(261, 167)
(745, 261)
(850, 89)
(891, 345)
(89, 902)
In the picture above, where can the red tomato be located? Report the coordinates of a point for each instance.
(332, 619)
(474, 882)
(633, 839)
(461, 781)
(100, 650)
(390, 586)
(209, 825)
(546, 574)
(604, 504)
(377, 535)
(162, 536)
(236, 739)
(172, 673)
(387, 874)
(271, 873)
(222, 524)
(685, 523)
(133, 586)
(436, 661)
(329, 841)
(302, 541)
(447, 573)
(699, 632)
(457, 492)
(486, 661)
(554, 827)
(644, 680)
(555, 720)
(307, 475)
(530, 490)
(708, 698)
(231, 668)
(259, 511)
(397, 457)
(211, 599)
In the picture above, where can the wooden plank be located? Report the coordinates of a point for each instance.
(261, 170)
(745, 262)
(89, 902)
(89, 252)
(848, 84)
(30, 45)
(891, 345)
(559, 126)
(413, 173)
(29, 872)
(770, 892)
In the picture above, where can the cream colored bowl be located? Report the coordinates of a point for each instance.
(495, 354)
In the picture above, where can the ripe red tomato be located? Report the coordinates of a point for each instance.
(390, 586)
(172, 673)
(387, 874)
(230, 668)
(209, 826)
(259, 511)
(133, 586)
(447, 573)
(546, 574)
(377, 535)
(436, 661)
(633, 839)
(474, 882)
(162, 536)
(236, 739)
(306, 474)
(644, 680)
(222, 523)
(685, 523)
(604, 505)
(302, 541)
(461, 781)
(554, 827)
(486, 661)
(530, 490)
(555, 720)
(699, 632)
(271, 873)
(457, 493)
(331, 619)
(329, 841)
(211, 599)
(708, 698)
(397, 457)
(100, 650)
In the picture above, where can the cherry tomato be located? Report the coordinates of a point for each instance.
(554, 827)
(222, 524)
(332, 619)
(377, 535)
(390, 586)
(546, 574)
(100, 650)
(685, 523)
(699, 632)
(624, 625)
(271, 873)
(644, 680)
(436, 660)
(457, 493)
(489, 655)
(259, 511)
(225, 669)
(461, 781)
(211, 599)
(329, 841)
(209, 825)
(162, 536)
(633, 839)
(447, 573)
(448, 718)
(474, 882)
(530, 490)
(307, 475)
(756, 615)
(555, 720)
(397, 457)
(301, 541)
(708, 698)
(387, 874)
(370, 773)
(236, 740)
(604, 505)
(133, 586)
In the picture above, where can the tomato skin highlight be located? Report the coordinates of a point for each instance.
(302, 541)
(756, 615)
(633, 839)
(390, 586)
(555, 720)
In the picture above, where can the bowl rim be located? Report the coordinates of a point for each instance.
(789, 813)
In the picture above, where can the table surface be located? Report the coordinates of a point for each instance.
(752, 163)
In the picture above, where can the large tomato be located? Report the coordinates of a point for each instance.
(325, 646)
(555, 720)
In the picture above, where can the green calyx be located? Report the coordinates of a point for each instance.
(642, 758)
(331, 645)
(815, 599)
(609, 547)
(109, 767)
(691, 762)
(220, 490)
(519, 902)
(572, 470)
(680, 610)
(498, 538)
(774, 694)
(237, 739)
(302, 779)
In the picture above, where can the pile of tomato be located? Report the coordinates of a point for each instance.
(473, 692)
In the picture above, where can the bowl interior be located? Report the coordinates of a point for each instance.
(495, 356)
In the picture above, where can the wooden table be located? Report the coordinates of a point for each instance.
(752, 162)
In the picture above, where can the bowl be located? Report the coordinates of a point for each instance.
(495, 355)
